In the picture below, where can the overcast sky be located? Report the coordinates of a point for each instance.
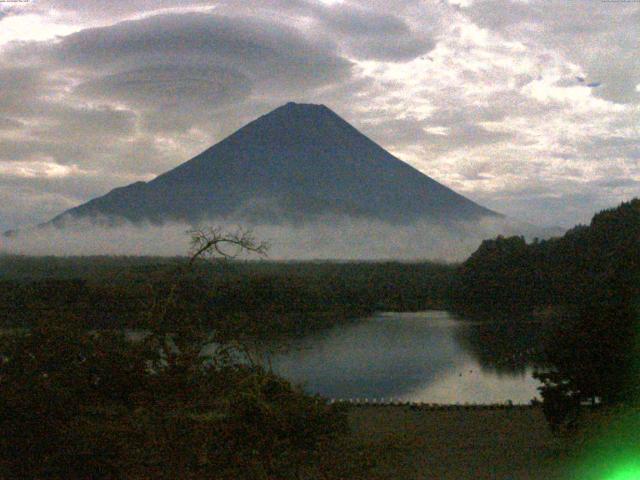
(529, 107)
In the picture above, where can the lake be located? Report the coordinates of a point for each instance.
(420, 357)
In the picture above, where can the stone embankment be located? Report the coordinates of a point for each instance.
(391, 402)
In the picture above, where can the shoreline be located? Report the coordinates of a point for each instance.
(359, 402)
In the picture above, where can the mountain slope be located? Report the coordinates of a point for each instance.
(292, 164)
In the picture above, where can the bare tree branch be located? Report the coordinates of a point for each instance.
(211, 242)
(205, 243)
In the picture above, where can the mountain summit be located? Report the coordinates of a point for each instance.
(293, 164)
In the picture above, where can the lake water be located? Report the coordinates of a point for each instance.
(422, 357)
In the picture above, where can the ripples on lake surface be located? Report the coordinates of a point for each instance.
(423, 357)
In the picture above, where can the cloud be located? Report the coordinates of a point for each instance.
(90, 12)
(528, 107)
(35, 169)
(9, 123)
(177, 70)
(604, 31)
(172, 86)
(264, 51)
(27, 205)
(84, 124)
(170, 97)
(21, 88)
(330, 237)
(371, 35)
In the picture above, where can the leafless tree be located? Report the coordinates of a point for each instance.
(181, 338)
(214, 242)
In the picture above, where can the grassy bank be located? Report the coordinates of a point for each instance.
(472, 444)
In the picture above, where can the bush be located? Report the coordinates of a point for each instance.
(78, 404)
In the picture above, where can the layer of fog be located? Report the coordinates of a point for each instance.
(326, 238)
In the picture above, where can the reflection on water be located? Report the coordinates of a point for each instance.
(505, 347)
(424, 356)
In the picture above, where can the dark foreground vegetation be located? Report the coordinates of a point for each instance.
(249, 298)
(82, 405)
(589, 280)
(77, 402)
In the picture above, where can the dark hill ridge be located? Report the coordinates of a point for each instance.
(292, 164)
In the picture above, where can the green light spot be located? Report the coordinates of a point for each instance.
(627, 472)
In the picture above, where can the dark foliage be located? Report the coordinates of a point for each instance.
(240, 298)
(78, 403)
(95, 405)
(596, 263)
(592, 276)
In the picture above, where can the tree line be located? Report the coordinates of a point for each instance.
(590, 279)
(259, 298)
